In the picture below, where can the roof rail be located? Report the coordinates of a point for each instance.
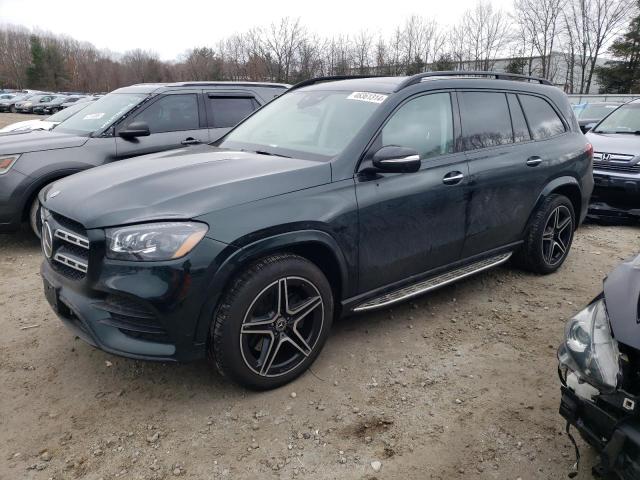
(331, 78)
(461, 73)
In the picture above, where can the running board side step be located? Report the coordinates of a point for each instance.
(432, 283)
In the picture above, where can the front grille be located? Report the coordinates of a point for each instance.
(616, 167)
(65, 244)
(615, 162)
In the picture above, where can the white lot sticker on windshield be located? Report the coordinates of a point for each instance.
(93, 116)
(367, 97)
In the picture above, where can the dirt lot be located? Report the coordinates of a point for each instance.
(458, 384)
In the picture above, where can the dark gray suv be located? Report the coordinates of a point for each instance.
(130, 121)
(337, 197)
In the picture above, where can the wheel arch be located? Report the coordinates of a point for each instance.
(567, 186)
(35, 188)
(317, 246)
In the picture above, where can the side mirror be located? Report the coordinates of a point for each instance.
(589, 126)
(135, 129)
(397, 159)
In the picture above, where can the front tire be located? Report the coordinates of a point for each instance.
(549, 237)
(272, 322)
(34, 216)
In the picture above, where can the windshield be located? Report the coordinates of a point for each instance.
(101, 113)
(625, 119)
(62, 115)
(306, 124)
(596, 111)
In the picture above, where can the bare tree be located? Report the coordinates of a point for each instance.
(539, 22)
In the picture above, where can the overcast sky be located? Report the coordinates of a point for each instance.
(170, 28)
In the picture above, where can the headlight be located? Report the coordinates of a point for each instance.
(154, 241)
(6, 162)
(589, 349)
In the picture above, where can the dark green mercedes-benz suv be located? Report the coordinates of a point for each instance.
(340, 196)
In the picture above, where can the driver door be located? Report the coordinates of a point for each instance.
(410, 223)
(174, 122)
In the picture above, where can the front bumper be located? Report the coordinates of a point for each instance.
(141, 310)
(616, 197)
(15, 189)
(616, 439)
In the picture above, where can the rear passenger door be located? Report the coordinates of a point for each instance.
(510, 162)
(174, 121)
(226, 109)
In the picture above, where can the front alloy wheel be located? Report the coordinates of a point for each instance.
(281, 326)
(272, 322)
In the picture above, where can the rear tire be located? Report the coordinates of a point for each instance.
(272, 322)
(549, 237)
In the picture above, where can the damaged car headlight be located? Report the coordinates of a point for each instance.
(154, 241)
(589, 349)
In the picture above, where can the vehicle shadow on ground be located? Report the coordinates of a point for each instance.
(201, 377)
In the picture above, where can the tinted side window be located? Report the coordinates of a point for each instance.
(520, 129)
(543, 120)
(172, 113)
(424, 124)
(228, 111)
(485, 120)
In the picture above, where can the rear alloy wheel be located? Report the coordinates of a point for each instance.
(273, 322)
(549, 237)
(557, 235)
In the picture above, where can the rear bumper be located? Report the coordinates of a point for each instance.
(616, 440)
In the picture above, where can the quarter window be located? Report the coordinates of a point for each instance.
(485, 120)
(520, 129)
(171, 113)
(424, 124)
(229, 111)
(544, 122)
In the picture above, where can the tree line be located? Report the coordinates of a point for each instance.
(560, 40)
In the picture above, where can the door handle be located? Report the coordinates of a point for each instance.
(452, 178)
(534, 161)
(190, 141)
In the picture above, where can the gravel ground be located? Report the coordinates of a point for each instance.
(457, 384)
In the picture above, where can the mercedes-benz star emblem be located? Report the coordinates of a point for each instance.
(47, 240)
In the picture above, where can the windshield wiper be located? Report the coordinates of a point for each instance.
(262, 152)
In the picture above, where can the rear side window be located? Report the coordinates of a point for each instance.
(485, 120)
(229, 111)
(543, 120)
(171, 114)
(520, 129)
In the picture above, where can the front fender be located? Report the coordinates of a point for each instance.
(238, 258)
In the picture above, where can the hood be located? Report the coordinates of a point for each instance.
(622, 143)
(38, 141)
(28, 125)
(622, 295)
(181, 184)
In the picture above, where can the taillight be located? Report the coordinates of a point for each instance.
(589, 151)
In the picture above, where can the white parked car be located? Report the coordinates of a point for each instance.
(44, 124)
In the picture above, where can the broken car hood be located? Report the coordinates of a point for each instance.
(622, 296)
